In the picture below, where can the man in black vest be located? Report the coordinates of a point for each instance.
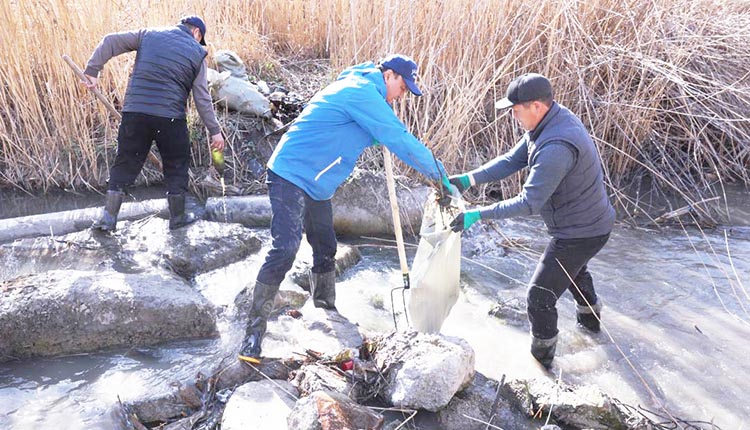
(565, 185)
(169, 64)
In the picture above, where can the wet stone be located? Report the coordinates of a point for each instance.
(136, 247)
(70, 311)
(424, 371)
(328, 410)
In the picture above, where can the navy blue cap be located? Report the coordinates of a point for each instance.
(197, 22)
(526, 88)
(404, 66)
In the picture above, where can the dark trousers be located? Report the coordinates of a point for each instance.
(137, 132)
(292, 210)
(563, 260)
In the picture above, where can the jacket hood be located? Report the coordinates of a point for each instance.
(368, 71)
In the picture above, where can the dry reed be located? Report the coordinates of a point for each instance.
(662, 85)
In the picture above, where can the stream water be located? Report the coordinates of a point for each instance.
(675, 339)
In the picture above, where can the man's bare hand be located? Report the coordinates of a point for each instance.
(90, 82)
(217, 142)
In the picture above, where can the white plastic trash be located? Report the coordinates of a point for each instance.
(237, 94)
(436, 271)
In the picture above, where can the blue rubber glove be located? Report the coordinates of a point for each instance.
(465, 220)
(462, 182)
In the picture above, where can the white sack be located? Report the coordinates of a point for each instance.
(227, 60)
(436, 271)
(237, 94)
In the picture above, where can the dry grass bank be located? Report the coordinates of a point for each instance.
(663, 85)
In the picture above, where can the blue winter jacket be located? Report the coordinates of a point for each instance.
(320, 149)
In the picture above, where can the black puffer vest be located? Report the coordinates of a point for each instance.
(166, 65)
(579, 207)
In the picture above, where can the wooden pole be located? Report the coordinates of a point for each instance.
(391, 183)
(151, 156)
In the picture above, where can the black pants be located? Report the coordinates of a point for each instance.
(292, 211)
(563, 260)
(137, 132)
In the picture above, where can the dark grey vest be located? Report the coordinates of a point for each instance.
(166, 65)
(579, 207)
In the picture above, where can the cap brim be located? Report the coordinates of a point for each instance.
(413, 87)
(503, 103)
(203, 41)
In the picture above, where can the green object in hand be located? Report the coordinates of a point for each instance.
(217, 157)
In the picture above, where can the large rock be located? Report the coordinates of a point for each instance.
(360, 207)
(315, 376)
(584, 407)
(260, 405)
(424, 371)
(328, 410)
(484, 401)
(64, 312)
(135, 247)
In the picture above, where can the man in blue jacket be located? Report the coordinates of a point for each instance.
(312, 159)
(565, 185)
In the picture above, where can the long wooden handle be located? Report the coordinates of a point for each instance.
(395, 212)
(151, 156)
(94, 90)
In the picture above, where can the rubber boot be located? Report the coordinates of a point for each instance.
(588, 318)
(177, 216)
(263, 298)
(544, 350)
(323, 289)
(108, 220)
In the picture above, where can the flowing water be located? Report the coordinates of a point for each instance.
(677, 306)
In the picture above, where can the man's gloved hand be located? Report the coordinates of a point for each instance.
(462, 182)
(448, 190)
(465, 220)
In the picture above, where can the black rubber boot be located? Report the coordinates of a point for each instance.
(177, 216)
(323, 289)
(263, 298)
(544, 350)
(108, 220)
(588, 318)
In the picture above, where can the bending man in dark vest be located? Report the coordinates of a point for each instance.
(169, 64)
(565, 185)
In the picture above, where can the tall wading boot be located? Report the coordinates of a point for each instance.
(108, 220)
(323, 289)
(177, 216)
(544, 350)
(588, 318)
(260, 310)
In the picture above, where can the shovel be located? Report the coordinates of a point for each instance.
(151, 156)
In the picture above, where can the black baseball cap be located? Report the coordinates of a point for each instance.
(526, 88)
(197, 22)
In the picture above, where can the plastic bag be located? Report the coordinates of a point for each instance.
(227, 60)
(436, 270)
(237, 94)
